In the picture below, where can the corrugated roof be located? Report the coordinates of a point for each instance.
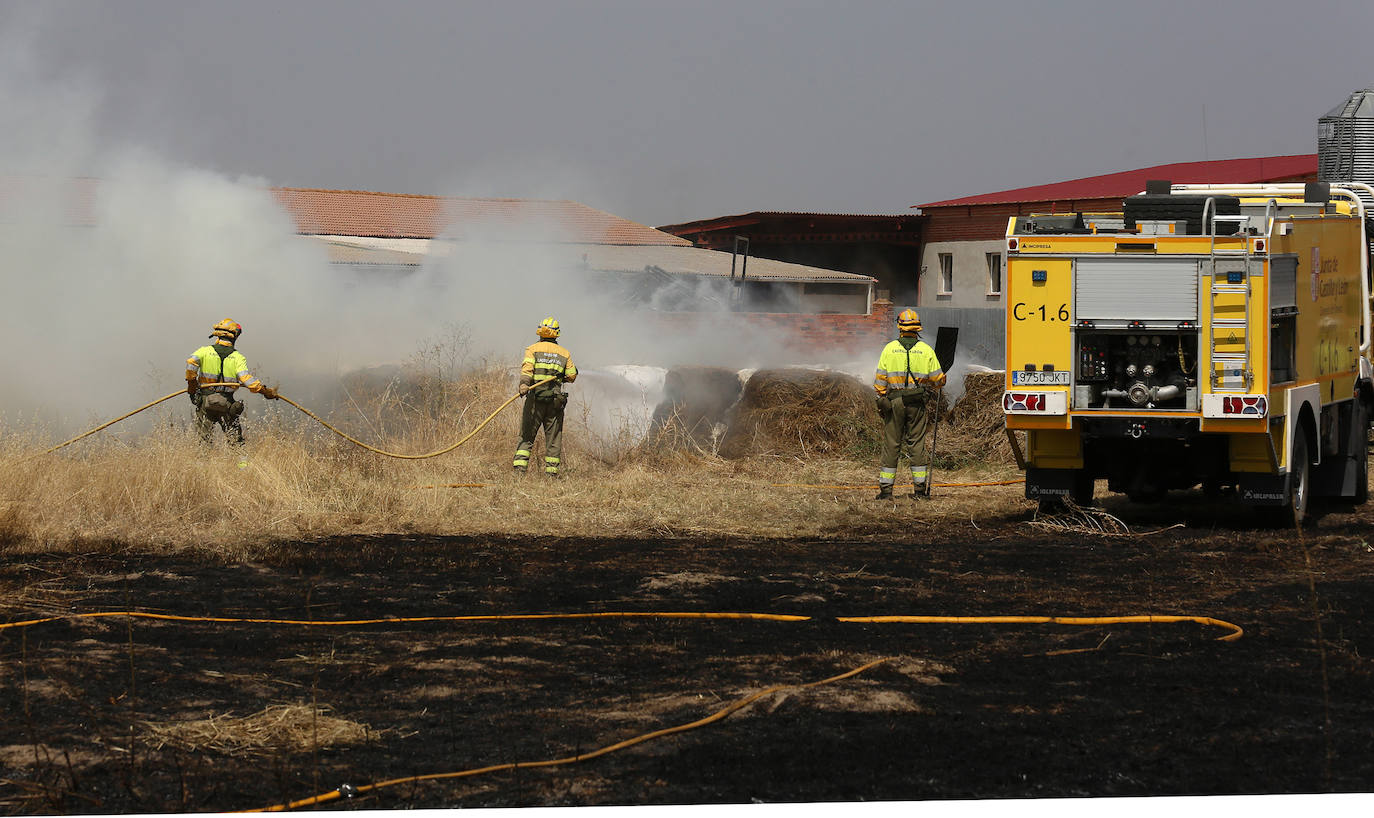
(628, 259)
(612, 258)
(754, 217)
(398, 215)
(700, 261)
(1126, 183)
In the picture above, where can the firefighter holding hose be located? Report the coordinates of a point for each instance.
(213, 372)
(544, 398)
(908, 379)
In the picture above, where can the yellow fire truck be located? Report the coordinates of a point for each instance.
(1212, 335)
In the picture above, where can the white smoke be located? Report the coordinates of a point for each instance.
(116, 262)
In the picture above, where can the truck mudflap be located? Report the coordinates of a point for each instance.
(1263, 489)
(1059, 484)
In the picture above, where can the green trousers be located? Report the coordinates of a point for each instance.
(547, 414)
(906, 422)
(217, 408)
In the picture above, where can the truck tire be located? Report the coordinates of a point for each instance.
(1300, 482)
(1361, 423)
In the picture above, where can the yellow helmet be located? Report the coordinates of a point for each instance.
(908, 322)
(548, 328)
(226, 329)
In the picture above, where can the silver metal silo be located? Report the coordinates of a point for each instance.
(1345, 140)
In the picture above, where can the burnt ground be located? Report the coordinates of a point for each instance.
(961, 711)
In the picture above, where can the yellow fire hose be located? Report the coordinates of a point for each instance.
(317, 419)
(349, 790)
(1236, 630)
(871, 486)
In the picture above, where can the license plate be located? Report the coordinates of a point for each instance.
(1056, 378)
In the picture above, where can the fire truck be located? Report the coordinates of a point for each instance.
(1205, 335)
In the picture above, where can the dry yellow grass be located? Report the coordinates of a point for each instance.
(280, 727)
(168, 492)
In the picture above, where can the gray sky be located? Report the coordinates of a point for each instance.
(673, 111)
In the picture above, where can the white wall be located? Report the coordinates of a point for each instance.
(970, 274)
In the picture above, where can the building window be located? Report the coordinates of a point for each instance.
(994, 273)
(945, 286)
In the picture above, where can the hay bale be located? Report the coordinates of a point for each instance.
(974, 430)
(803, 412)
(696, 401)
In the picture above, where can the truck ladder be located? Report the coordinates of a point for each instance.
(1228, 275)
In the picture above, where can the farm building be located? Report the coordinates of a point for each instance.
(637, 266)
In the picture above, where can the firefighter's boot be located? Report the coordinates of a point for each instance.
(884, 492)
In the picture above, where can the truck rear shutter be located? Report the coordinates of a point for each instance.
(1149, 289)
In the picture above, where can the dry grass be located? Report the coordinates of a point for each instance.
(279, 728)
(167, 492)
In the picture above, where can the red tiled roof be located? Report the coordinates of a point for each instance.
(1128, 182)
(396, 215)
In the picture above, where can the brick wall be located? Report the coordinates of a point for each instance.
(818, 334)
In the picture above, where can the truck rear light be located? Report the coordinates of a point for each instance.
(1245, 405)
(1012, 244)
(1235, 406)
(1035, 403)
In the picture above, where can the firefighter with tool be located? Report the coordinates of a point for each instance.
(544, 402)
(907, 379)
(220, 363)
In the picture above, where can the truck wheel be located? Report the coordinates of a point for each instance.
(1300, 470)
(1361, 422)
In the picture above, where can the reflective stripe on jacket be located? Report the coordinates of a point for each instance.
(899, 368)
(204, 366)
(545, 359)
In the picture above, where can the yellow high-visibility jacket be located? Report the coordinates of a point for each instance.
(545, 359)
(900, 368)
(205, 366)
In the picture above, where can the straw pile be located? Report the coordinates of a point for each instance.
(974, 430)
(282, 727)
(803, 412)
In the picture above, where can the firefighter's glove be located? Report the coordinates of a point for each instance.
(191, 390)
(524, 389)
(270, 393)
(884, 407)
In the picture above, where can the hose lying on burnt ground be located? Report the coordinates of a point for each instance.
(1236, 630)
(350, 790)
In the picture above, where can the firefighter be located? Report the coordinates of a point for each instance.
(908, 378)
(215, 363)
(544, 403)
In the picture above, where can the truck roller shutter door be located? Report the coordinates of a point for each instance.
(1149, 289)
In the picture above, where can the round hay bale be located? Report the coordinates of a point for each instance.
(696, 400)
(803, 412)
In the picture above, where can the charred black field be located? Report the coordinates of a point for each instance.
(124, 714)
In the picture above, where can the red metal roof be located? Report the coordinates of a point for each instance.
(397, 215)
(365, 213)
(1128, 182)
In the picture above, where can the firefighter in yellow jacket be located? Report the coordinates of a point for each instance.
(908, 379)
(220, 363)
(544, 402)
